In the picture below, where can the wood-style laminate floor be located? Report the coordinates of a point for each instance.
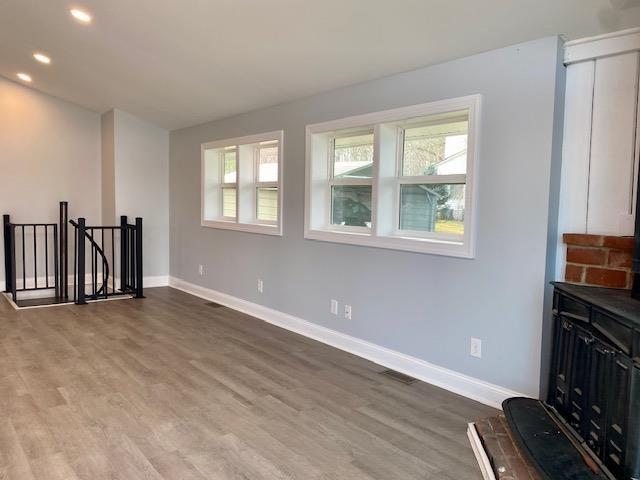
(171, 388)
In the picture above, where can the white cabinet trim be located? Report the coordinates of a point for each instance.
(591, 48)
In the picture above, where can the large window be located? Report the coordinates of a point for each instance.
(242, 183)
(400, 179)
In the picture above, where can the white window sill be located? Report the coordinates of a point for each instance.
(264, 229)
(409, 244)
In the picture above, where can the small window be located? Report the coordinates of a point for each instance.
(432, 207)
(351, 205)
(228, 162)
(229, 156)
(353, 156)
(400, 179)
(434, 168)
(351, 180)
(436, 149)
(241, 184)
(268, 162)
(229, 202)
(267, 204)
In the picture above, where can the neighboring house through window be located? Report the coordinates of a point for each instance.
(400, 179)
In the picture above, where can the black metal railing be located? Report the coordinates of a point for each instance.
(107, 260)
(35, 256)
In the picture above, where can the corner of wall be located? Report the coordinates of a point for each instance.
(552, 222)
(107, 162)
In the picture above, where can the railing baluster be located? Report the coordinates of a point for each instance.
(24, 263)
(93, 265)
(113, 260)
(35, 257)
(55, 260)
(8, 274)
(103, 260)
(132, 258)
(64, 250)
(46, 255)
(14, 279)
(139, 276)
(75, 264)
(81, 261)
(124, 262)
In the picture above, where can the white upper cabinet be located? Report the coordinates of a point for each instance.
(600, 149)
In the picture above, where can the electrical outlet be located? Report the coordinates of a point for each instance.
(334, 307)
(201, 270)
(260, 286)
(347, 312)
(476, 348)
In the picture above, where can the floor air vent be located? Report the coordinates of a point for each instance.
(400, 377)
(213, 305)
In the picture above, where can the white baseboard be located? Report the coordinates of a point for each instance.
(157, 281)
(479, 390)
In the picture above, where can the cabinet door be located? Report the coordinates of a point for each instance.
(563, 350)
(597, 399)
(579, 380)
(617, 415)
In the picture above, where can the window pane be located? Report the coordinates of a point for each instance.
(229, 202)
(268, 163)
(436, 207)
(229, 157)
(351, 205)
(353, 156)
(267, 204)
(439, 149)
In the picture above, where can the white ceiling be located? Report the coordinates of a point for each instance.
(182, 62)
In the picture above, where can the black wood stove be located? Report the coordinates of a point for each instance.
(594, 384)
(589, 427)
(595, 374)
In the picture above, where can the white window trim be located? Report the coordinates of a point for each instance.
(231, 223)
(421, 242)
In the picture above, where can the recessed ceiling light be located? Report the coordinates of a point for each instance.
(81, 15)
(42, 58)
(24, 77)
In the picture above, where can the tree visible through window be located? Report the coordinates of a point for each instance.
(432, 150)
(400, 179)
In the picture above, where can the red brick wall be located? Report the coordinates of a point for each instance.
(599, 260)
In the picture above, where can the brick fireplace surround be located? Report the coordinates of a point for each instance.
(599, 260)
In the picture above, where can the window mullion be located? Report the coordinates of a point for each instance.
(351, 181)
(433, 179)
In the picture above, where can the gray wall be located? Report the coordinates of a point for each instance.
(49, 151)
(426, 306)
(141, 184)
